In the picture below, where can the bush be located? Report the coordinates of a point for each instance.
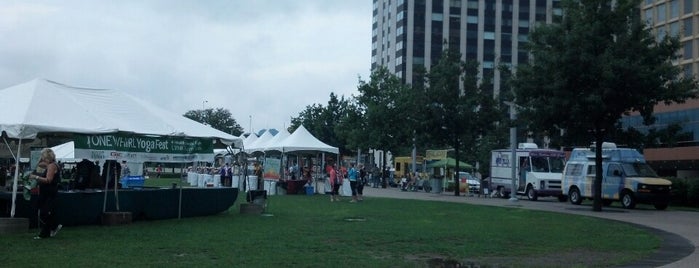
(685, 191)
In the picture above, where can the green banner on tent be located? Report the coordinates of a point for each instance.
(143, 148)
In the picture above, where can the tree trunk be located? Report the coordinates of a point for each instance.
(456, 171)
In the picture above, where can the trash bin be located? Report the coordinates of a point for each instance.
(436, 184)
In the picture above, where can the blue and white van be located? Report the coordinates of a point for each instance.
(626, 178)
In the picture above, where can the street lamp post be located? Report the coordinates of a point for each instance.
(513, 147)
(203, 103)
(250, 126)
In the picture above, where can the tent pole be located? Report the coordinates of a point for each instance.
(106, 188)
(179, 205)
(116, 192)
(14, 180)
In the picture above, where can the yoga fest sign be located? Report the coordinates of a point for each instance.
(135, 148)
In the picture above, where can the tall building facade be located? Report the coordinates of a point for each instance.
(676, 18)
(410, 33)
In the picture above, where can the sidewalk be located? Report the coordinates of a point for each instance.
(679, 230)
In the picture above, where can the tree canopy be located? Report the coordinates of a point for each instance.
(599, 63)
(218, 118)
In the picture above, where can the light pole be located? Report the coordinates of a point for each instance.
(203, 103)
(250, 126)
(513, 148)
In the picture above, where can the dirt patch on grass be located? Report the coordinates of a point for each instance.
(581, 258)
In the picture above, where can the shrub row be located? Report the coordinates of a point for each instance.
(685, 192)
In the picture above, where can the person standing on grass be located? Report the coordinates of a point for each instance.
(353, 175)
(226, 175)
(47, 175)
(360, 184)
(158, 171)
(335, 183)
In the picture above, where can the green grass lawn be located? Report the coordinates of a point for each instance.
(310, 231)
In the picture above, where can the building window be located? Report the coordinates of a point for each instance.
(472, 19)
(688, 53)
(472, 4)
(674, 9)
(489, 35)
(399, 31)
(399, 45)
(688, 27)
(437, 16)
(418, 61)
(675, 29)
(455, 3)
(661, 12)
(399, 60)
(400, 15)
(649, 16)
(522, 38)
(524, 23)
(688, 70)
(688, 6)
(661, 33)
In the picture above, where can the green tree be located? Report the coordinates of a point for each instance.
(218, 118)
(460, 110)
(599, 63)
(323, 121)
(385, 108)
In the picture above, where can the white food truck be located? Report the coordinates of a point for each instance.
(538, 172)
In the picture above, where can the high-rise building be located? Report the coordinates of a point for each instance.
(410, 33)
(675, 18)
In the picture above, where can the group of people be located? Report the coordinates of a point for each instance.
(356, 177)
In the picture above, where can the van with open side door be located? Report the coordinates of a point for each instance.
(626, 177)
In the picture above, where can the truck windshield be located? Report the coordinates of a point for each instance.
(547, 164)
(638, 170)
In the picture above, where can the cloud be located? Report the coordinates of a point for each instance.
(265, 59)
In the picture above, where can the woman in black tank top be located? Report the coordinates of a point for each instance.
(47, 175)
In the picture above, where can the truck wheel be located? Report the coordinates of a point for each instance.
(660, 206)
(627, 200)
(531, 194)
(575, 197)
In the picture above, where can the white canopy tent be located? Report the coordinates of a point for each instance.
(65, 152)
(258, 145)
(41, 106)
(302, 140)
(283, 134)
(247, 142)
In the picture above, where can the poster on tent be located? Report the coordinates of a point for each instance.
(134, 148)
(272, 166)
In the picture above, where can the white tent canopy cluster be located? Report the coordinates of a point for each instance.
(43, 107)
(299, 141)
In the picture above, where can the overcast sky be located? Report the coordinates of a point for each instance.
(262, 59)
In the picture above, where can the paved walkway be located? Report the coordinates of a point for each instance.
(679, 230)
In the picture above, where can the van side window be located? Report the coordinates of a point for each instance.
(574, 169)
(614, 170)
(591, 170)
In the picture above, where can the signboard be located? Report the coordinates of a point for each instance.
(136, 148)
(435, 154)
